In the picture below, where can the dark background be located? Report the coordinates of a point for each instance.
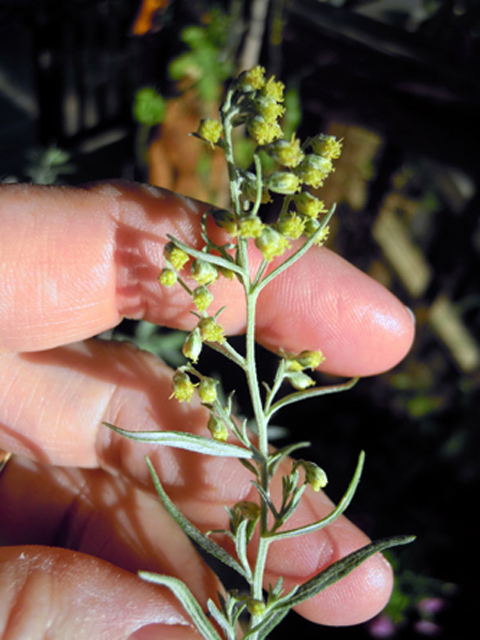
(400, 81)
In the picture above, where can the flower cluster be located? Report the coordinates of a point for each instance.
(295, 366)
(257, 102)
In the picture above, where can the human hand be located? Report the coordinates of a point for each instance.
(77, 500)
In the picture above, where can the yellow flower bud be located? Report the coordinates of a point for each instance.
(268, 109)
(327, 146)
(217, 429)
(210, 330)
(274, 89)
(291, 226)
(210, 130)
(323, 237)
(263, 131)
(315, 476)
(310, 359)
(313, 170)
(288, 154)
(309, 205)
(304, 360)
(299, 380)
(202, 298)
(183, 387)
(192, 347)
(271, 243)
(252, 80)
(250, 227)
(175, 256)
(203, 272)
(283, 182)
(167, 277)
(312, 226)
(248, 186)
(207, 390)
(256, 607)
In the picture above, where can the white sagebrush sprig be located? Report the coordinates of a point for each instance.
(256, 103)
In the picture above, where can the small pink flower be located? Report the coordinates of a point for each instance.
(382, 627)
(431, 606)
(427, 628)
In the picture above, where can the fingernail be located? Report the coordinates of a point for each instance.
(163, 632)
(412, 314)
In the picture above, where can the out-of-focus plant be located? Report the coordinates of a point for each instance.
(46, 165)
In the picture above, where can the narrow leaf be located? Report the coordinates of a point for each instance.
(207, 257)
(275, 459)
(339, 509)
(188, 441)
(219, 617)
(185, 596)
(241, 547)
(197, 536)
(263, 629)
(310, 393)
(343, 567)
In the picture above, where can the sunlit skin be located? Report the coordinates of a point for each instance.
(74, 263)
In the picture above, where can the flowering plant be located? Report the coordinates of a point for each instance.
(256, 103)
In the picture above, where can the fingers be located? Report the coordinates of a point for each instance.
(75, 261)
(101, 515)
(47, 592)
(74, 388)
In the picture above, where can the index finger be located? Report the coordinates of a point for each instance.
(75, 261)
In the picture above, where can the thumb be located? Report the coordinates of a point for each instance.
(47, 592)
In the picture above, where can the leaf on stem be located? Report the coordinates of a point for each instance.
(343, 567)
(188, 441)
(275, 459)
(197, 536)
(185, 596)
(310, 393)
(241, 542)
(207, 257)
(339, 509)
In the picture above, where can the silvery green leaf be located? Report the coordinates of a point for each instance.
(269, 622)
(241, 547)
(343, 567)
(188, 441)
(197, 536)
(219, 617)
(297, 396)
(185, 596)
(275, 459)
(339, 509)
(207, 257)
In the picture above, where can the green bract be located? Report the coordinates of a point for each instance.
(256, 101)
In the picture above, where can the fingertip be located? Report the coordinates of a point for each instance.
(356, 598)
(325, 303)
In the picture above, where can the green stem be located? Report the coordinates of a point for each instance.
(251, 374)
(227, 114)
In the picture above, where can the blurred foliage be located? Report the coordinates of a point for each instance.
(45, 166)
(149, 107)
